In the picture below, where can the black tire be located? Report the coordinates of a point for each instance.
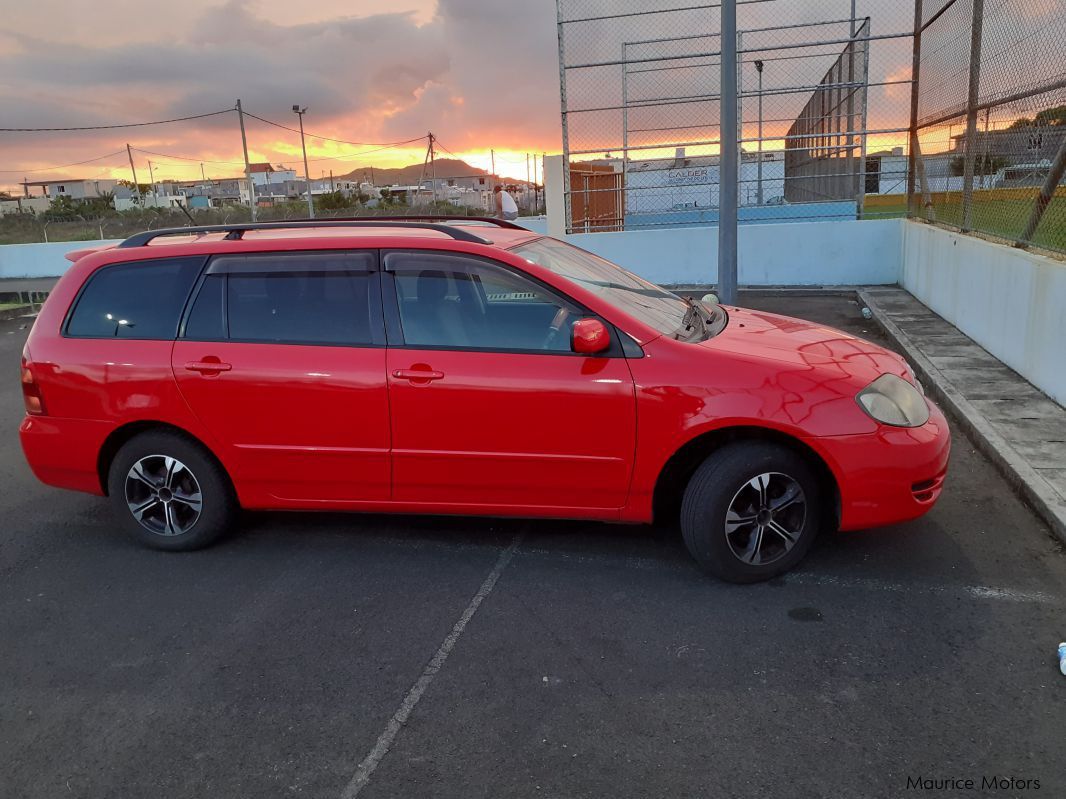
(733, 474)
(171, 519)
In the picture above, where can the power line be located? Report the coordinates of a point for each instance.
(113, 127)
(392, 146)
(327, 138)
(64, 166)
(188, 158)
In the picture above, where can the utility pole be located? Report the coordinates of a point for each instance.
(203, 175)
(432, 167)
(247, 166)
(527, 181)
(492, 155)
(758, 194)
(425, 163)
(331, 186)
(133, 169)
(727, 161)
(151, 178)
(307, 172)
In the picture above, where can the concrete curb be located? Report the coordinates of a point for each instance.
(1025, 480)
(16, 312)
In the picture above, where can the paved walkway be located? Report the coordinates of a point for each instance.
(1017, 425)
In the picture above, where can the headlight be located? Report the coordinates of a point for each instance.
(892, 400)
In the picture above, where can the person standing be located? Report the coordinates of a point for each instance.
(505, 204)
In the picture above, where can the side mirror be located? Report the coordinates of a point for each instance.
(589, 336)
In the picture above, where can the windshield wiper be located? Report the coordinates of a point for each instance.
(693, 314)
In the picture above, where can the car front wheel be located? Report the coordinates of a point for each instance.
(751, 511)
(169, 493)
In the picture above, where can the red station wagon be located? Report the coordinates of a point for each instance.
(468, 367)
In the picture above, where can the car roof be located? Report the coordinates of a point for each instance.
(483, 232)
(504, 235)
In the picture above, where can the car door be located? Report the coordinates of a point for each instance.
(490, 408)
(282, 358)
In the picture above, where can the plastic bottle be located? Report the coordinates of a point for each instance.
(1062, 657)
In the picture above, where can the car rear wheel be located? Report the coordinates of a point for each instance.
(751, 511)
(169, 493)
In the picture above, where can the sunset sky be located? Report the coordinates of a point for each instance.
(479, 74)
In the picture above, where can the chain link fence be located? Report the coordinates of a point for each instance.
(990, 118)
(822, 101)
(833, 98)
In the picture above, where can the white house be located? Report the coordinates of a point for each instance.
(76, 189)
(265, 173)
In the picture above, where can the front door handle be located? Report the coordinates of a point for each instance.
(417, 374)
(208, 367)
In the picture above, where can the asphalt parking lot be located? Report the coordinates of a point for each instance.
(330, 655)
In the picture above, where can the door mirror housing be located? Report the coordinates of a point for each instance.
(589, 336)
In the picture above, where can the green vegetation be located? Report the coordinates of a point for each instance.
(1003, 217)
(1046, 118)
(89, 220)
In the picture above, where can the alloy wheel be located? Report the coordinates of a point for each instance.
(163, 495)
(765, 518)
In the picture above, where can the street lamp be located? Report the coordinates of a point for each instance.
(307, 173)
(758, 193)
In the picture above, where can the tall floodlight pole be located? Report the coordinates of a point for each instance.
(307, 172)
(758, 196)
(247, 166)
(727, 161)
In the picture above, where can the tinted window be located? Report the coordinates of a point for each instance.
(207, 321)
(141, 300)
(303, 298)
(461, 303)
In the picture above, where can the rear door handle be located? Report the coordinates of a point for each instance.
(417, 374)
(207, 367)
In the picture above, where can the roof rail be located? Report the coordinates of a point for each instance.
(235, 232)
(454, 220)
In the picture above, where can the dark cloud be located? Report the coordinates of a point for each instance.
(477, 74)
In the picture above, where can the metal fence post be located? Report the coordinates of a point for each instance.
(912, 149)
(562, 103)
(625, 131)
(864, 106)
(972, 99)
(727, 161)
(1043, 200)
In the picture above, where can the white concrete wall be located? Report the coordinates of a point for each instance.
(789, 254)
(1011, 302)
(41, 260)
(792, 254)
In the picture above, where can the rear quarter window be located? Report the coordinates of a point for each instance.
(138, 300)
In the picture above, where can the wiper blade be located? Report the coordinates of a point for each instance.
(692, 315)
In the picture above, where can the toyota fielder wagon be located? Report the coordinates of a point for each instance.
(467, 367)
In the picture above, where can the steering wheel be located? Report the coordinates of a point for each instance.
(558, 321)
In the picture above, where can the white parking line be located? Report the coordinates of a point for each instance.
(975, 591)
(403, 713)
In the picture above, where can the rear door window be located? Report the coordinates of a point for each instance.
(139, 300)
(293, 298)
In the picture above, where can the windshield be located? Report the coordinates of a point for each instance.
(652, 305)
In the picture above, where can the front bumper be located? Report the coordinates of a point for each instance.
(893, 475)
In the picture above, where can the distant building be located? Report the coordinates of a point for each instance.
(264, 174)
(1021, 145)
(76, 189)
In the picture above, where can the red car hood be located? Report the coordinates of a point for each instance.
(760, 335)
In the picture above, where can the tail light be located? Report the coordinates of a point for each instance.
(31, 392)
